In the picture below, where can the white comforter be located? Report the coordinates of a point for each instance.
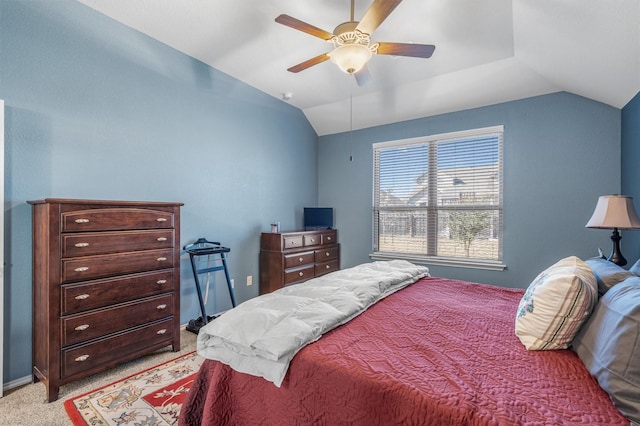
(261, 335)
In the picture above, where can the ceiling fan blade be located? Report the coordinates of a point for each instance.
(377, 12)
(363, 77)
(299, 25)
(308, 63)
(406, 49)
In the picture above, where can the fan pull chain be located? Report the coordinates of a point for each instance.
(350, 117)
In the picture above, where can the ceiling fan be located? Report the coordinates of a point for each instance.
(352, 41)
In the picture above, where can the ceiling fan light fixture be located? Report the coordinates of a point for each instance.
(350, 58)
(352, 41)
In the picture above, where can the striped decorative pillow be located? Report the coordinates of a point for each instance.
(556, 304)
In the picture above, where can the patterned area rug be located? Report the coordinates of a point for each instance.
(151, 397)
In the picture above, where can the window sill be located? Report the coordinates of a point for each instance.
(442, 261)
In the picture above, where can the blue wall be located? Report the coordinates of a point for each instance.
(561, 152)
(97, 110)
(631, 171)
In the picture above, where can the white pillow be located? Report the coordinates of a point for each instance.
(556, 304)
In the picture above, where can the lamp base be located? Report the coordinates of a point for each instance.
(616, 256)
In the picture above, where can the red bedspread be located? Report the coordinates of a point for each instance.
(440, 352)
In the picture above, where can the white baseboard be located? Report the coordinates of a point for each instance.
(16, 383)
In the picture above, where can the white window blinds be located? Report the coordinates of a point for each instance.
(440, 196)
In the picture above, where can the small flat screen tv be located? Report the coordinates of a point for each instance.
(318, 218)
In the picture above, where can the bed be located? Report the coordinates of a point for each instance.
(437, 352)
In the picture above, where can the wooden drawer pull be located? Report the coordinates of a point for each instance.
(161, 219)
(163, 306)
(82, 358)
(161, 259)
(81, 244)
(81, 296)
(301, 259)
(82, 327)
(301, 274)
(328, 253)
(82, 220)
(312, 240)
(161, 331)
(162, 238)
(329, 238)
(327, 267)
(82, 269)
(161, 282)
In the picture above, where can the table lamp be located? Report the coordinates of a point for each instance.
(615, 212)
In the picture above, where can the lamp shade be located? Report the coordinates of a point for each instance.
(614, 211)
(350, 58)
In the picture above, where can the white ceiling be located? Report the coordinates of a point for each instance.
(487, 52)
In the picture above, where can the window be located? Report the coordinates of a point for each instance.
(439, 198)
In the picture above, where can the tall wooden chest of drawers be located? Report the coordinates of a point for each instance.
(293, 257)
(106, 285)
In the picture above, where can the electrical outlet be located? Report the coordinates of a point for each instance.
(233, 284)
(249, 280)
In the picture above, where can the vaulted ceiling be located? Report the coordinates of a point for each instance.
(487, 52)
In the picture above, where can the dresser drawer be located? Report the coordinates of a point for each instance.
(91, 267)
(111, 350)
(115, 218)
(97, 294)
(292, 241)
(83, 327)
(324, 255)
(298, 259)
(329, 237)
(312, 240)
(326, 267)
(92, 243)
(298, 274)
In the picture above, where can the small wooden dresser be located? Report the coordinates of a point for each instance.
(293, 257)
(106, 285)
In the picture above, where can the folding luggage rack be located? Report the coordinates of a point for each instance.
(202, 247)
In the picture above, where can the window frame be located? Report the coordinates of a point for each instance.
(476, 263)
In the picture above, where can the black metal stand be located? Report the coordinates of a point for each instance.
(616, 255)
(202, 247)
